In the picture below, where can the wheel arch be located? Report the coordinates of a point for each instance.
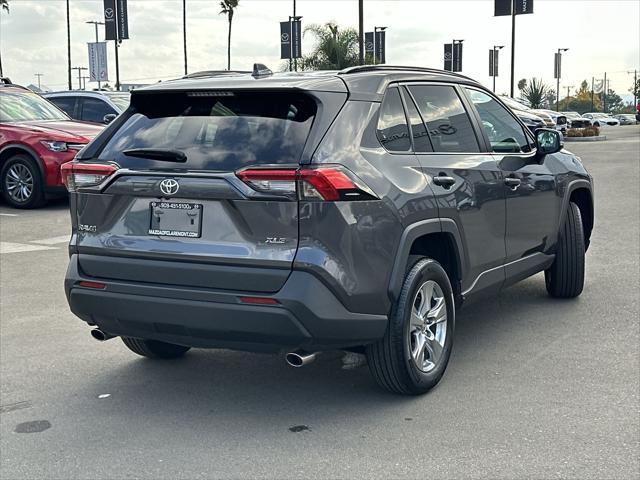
(436, 238)
(580, 192)
(8, 151)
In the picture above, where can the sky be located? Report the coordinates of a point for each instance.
(602, 36)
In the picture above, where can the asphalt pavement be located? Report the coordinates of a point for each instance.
(536, 387)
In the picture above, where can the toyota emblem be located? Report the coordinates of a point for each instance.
(169, 186)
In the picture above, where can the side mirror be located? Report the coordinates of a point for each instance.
(108, 118)
(548, 141)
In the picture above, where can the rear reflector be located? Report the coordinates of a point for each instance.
(326, 183)
(96, 285)
(80, 175)
(259, 300)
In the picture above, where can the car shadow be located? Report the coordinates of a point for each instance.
(262, 388)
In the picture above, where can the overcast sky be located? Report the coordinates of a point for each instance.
(602, 35)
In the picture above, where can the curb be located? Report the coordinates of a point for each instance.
(600, 138)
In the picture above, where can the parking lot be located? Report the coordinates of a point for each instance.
(536, 387)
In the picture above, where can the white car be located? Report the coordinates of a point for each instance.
(602, 120)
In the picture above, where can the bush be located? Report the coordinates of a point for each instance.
(574, 132)
(591, 132)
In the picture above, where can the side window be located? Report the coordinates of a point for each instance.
(448, 124)
(421, 142)
(66, 104)
(504, 132)
(94, 110)
(392, 131)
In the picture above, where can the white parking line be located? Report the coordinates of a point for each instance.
(8, 214)
(8, 247)
(53, 240)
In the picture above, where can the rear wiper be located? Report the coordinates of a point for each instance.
(164, 155)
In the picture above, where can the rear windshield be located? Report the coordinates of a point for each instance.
(218, 131)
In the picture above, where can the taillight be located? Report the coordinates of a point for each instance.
(326, 183)
(80, 175)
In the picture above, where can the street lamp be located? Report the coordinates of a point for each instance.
(453, 54)
(375, 42)
(95, 23)
(559, 63)
(495, 49)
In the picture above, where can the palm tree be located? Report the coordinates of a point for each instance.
(228, 8)
(535, 92)
(336, 49)
(4, 6)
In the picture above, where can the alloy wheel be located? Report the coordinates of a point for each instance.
(19, 183)
(428, 326)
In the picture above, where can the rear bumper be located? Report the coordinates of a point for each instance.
(308, 315)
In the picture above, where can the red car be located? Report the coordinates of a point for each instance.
(35, 139)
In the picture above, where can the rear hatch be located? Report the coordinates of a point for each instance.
(175, 209)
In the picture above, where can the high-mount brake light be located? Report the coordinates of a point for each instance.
(77, 175)
(326, 183)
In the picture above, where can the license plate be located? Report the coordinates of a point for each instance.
(171, 219)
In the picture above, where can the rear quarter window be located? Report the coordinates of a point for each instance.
(216, 131)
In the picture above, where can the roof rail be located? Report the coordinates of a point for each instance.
(396, 68)
(216, 73)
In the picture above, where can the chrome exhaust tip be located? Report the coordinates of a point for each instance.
(100, 335)
(299, 359)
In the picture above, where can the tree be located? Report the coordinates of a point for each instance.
(228, 9)
(521, 84)
(336, 49)
(615, 104)
(535, 92)
(4, 7)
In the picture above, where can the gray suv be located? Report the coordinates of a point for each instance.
(352, 210)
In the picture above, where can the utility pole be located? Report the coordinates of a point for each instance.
(361, 31)
(635, 82)
(69, 46)
(95, 24)
(604, 93)
(39, 75)
(184, 32)
(513, 45)
(80, 69)
(593, 86)
(568, 87)
(84, 82)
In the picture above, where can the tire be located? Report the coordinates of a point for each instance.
(154, 348)
(20, 174)
(565, 277)
(391, 360)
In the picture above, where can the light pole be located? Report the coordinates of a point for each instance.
(184, 33)
(496, 48)
(95, 23)
(375, 42)
(559, 63)
(453, 54)
(361, 32)
(635, 82)
(69, 46)
(39, 75)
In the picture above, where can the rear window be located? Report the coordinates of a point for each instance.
(219, 131)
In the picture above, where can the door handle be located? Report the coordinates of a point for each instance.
(444, 181)
(512, 182)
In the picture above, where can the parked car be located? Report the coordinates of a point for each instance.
(315, 211)
(533, 119)
(602, 119)
(91, 106)
(36, 138)
(560, 120)
(626, 119)
(575, 120)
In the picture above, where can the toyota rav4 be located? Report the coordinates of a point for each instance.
(352, 210)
